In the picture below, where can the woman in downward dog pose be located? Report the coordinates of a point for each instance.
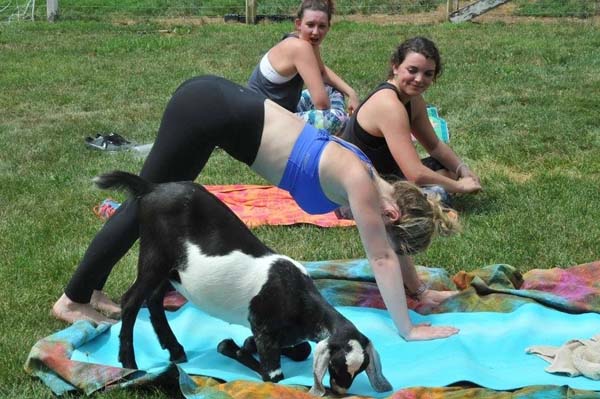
(320, 171)
(296, 62)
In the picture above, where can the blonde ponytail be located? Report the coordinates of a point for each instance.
(421, 219)
(445, 219)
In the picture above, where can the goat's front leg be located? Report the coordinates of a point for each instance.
(230, 349)
(161, 325)
(297, 353)
(269, 354)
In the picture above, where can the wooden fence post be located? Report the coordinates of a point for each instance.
(250, 11)
(52, 10)
(451, 6)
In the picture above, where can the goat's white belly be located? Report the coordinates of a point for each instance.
(223, 286)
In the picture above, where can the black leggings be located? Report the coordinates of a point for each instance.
(203, 113)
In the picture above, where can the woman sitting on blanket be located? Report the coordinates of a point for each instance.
(382, 125)
(320, 171)
(296, 61)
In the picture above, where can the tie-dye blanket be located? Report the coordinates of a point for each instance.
(498, 288)
(255, 205)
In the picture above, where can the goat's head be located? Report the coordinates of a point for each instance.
(345, 360)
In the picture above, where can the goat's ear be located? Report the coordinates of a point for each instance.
(320, 362)
(376, 378)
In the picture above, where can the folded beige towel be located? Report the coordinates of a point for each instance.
(574, 358)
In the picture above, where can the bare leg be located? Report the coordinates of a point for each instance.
(432, 299)
(66, 310)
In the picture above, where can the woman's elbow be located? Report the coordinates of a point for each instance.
(414, 176)
(384, 263)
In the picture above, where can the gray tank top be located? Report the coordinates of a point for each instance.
(286, 94)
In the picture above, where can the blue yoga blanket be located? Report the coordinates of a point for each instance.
(488, 351)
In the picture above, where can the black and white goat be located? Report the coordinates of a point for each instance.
(190, 238)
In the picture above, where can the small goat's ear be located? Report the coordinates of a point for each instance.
(376, 377)
(320, 362)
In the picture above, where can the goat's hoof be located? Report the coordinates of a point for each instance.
(181, 358)
(273, 378)
(297, 353)
(228, 347)
(127, 360)
(177, 355)
(250, 345)
(128, 364)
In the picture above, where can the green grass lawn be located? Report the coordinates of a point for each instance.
(521, 101)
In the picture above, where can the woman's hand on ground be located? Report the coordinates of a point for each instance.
(469, 185)
(466, 172)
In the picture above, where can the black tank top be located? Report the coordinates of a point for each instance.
(376, 148)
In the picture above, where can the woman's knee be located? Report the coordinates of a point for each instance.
(331, 120)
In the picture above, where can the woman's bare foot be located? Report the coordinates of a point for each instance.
(431, 299)
(66, 310)
(101, 302)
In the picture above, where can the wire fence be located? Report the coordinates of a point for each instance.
(94, 9)
(18, 10)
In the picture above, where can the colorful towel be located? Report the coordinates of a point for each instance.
(439, 124)
(498, 288)
(259, 205)
(255, 205)
(440, 127)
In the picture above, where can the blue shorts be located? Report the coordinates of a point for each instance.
(301, 175)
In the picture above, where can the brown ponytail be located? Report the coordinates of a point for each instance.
(325, 6)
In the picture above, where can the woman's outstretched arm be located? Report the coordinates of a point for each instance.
(366, 207)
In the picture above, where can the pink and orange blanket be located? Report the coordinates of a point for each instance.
(255, 205)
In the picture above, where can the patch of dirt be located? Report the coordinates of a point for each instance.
(502, 13)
